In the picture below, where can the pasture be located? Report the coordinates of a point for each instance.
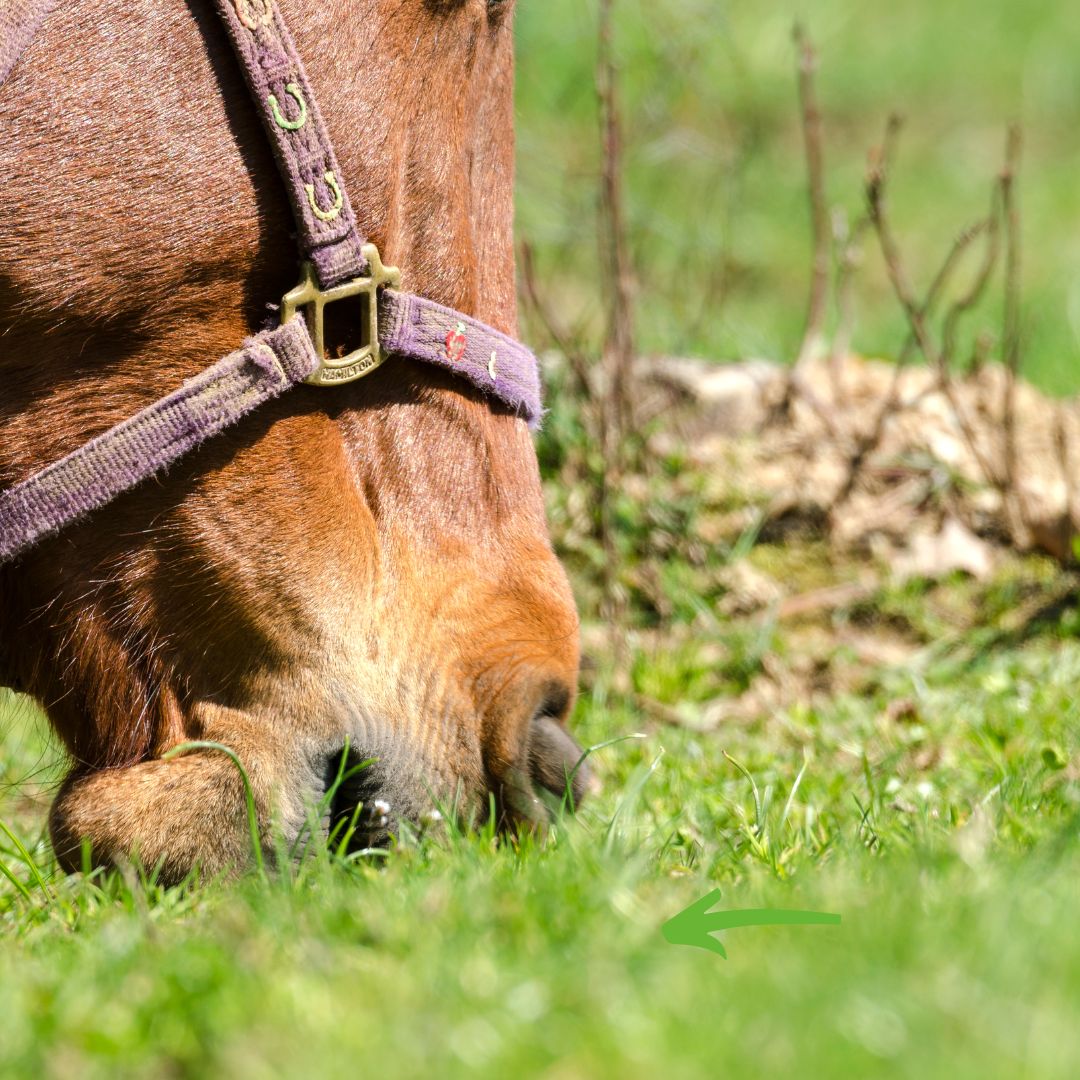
(907, 756)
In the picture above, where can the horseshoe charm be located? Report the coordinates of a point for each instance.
(279, 118)
(254, 13)
(339, 198)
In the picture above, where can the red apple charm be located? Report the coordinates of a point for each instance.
(456, 342)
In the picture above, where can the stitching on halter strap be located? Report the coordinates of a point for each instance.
(280, 119)
(255, 13)
(339, 198)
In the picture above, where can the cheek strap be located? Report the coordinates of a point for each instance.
(399, 324)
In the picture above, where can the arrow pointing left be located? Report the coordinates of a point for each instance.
(696, 925)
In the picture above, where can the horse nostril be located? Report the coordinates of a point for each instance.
(361, 813)
(556, 762)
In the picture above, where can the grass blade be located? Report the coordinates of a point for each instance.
(249, 795)
(28, 859)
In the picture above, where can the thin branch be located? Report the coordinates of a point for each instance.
(619, 348)
(1011, 332)
(964, 303)
(964, 239)
(868, 445)
(799, 387)
(558, 333)
(1064, 455)
(848, 242)
(894, 264)
(980, 352)
(814, 335)
(616, 409)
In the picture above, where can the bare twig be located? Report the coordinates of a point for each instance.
(798, 387)
(867, 445)
(1011, 344)
(916, 316)
(814, 335)
(1064, 455)
(879, 166)
(968, 300)
(558, 333)
(963, 240)
(848, 242)
(619, 346)
(980, 352)
(876, 181)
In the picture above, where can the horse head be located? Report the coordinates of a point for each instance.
(365, 568)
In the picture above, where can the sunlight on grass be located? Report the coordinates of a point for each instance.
(947, 841)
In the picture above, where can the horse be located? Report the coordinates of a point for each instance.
(360, 574)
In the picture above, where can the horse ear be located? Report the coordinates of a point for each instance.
(556, 762)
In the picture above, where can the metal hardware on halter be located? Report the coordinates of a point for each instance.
(335, 371)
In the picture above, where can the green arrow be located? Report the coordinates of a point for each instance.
(696, 925)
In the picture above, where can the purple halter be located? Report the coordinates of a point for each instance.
(339, 265)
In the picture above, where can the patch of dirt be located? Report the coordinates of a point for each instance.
(939, 490)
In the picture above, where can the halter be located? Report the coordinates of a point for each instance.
(338, 265)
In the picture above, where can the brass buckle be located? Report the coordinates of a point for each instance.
(335, 371)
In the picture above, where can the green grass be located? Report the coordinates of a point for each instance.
(945, 835)
(715, 173)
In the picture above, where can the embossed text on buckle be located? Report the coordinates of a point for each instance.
(309, 298)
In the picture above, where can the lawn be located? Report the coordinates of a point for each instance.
(942, 829)
(908, 758)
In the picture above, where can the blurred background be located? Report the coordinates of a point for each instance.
(716, 207)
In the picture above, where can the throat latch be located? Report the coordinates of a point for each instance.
(362, 334)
